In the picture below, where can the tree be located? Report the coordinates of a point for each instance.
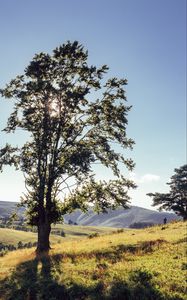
(75, 121)
(176, 198)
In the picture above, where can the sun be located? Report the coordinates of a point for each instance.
(54, 108)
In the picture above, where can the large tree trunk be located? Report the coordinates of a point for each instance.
(44, 229)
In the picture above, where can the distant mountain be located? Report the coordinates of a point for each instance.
(114, 218)
(119, 217)
(7, 208)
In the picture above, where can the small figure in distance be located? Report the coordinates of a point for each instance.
(165, 221)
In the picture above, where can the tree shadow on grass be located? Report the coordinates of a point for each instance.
(32, 280)
(36, 279)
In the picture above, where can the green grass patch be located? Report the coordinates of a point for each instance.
(12, 237)
(77, 231)
(147, 264)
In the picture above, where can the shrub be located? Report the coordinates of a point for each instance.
(139, 225)
(93, 235)
(62, 233)
(120, 230)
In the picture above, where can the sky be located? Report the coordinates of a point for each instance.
(141, 40)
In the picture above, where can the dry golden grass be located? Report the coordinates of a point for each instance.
(150, 261)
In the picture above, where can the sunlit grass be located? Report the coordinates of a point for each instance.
(12, 237)
(149, 262)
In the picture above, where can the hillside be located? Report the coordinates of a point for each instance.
(146, 264)
(10, 236)
(8, 207)
(118, 218)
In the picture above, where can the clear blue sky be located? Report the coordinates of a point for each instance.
(141, 40)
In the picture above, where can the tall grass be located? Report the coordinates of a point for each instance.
(147, 264)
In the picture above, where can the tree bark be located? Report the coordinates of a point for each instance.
(44, 229)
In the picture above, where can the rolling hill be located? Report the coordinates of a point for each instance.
(7, 208)
(117, 218)
(146, 264)
(12, 237)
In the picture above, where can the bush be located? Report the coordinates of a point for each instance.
(121, 230)
(93, 235)
(3, 252)
(62, 233)
(139, 225)
(4, 248)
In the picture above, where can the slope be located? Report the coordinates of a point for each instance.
(118, 218)
(133, 264)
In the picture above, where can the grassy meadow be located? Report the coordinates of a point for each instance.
(9, 236)
(77, 231)
(12, 237)
(146, 264)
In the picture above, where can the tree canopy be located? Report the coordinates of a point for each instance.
(74, 120)
(176, 198)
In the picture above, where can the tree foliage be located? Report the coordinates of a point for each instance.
(75, 120)
(176, 198)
